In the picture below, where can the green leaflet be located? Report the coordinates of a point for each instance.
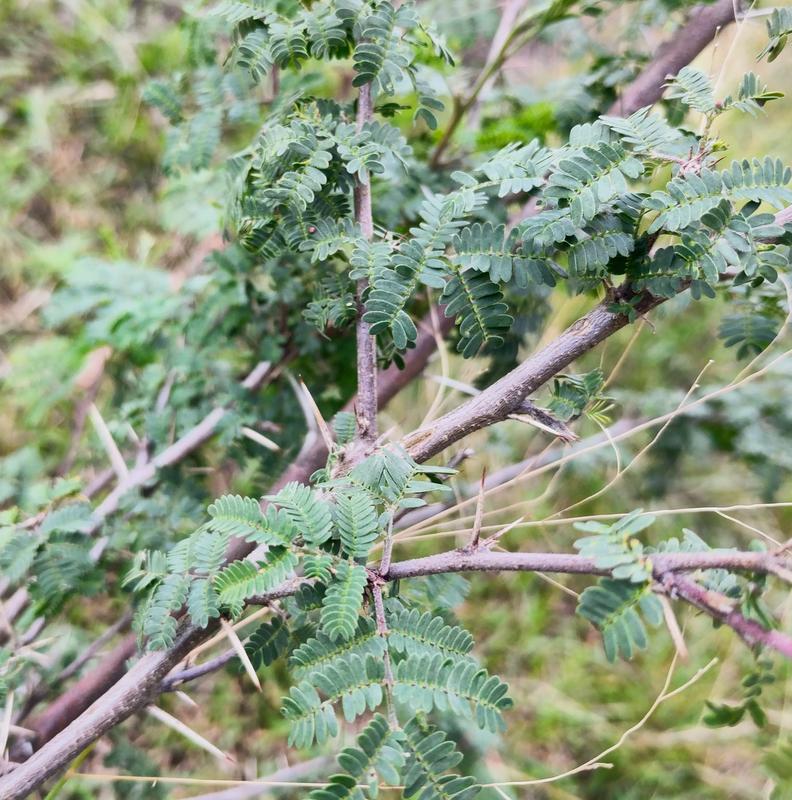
(164, 97)
(379, 57)
(69, 518)
(420, 259)
(318, 567)
(479, 304)
(254, 55)
(18, 550)
(159, 624)
(645, 132)
(573, 395)
(486, 248)
(779, 26)
(357, 685)
(243, 579)
(344, 425)
(685, 200)
(236, 11)
(321, 651)
(242, 516)
(764, 181)
(430, 756)
(309, 514)
(693, 88)
(268, 642)
(423, 683)
(415, 634)
(591, 177)
(515, 168)
(377, 751)
(202, 602)
(752, 95)
(60, 567)
(751, 332)
(391, 476)
(343, 601)
(357, 522)
(604, 239)
(612, 606)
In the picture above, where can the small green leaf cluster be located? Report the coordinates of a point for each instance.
(293, 188)
(316, 540)
(432, 669)
(724, 714)
(779, 26)
(574, 395)
(614, 548)
(613, 605)
(326, 532)
(52, 556)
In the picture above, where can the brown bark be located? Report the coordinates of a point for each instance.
(703, 26)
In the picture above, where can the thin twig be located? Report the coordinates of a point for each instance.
(176, 679)
(366, 344)
(724, 610)
(382, 630)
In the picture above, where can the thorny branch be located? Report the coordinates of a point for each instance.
(144, 680)
(135, 689)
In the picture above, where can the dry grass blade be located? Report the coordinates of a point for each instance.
(595, 763)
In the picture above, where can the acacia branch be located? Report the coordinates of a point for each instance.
(144, 680)
(133, 690)
(723, 609)
(574, 564)
(366, 343)
(701, 28)
(492, 405)
(75, 700)
(504, 397)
